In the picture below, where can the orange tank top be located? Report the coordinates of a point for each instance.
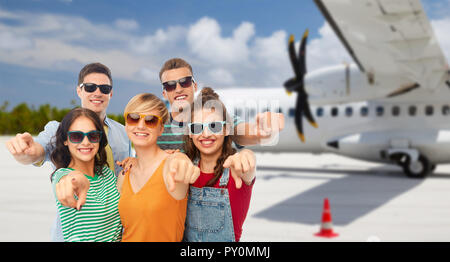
(151, 214)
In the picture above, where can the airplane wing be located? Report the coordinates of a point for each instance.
(389, 39)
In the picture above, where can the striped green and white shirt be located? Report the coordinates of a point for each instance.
(98, 220)
(172, 137)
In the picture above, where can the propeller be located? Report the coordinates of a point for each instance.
(296, 84)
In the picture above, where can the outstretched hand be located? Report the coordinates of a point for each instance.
(269, 124)
(242, 165)
(181, 170)
(24, 149)
(73, 184)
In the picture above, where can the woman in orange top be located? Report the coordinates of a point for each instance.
(153, 199)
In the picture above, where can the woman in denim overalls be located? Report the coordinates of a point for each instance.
(209, 212)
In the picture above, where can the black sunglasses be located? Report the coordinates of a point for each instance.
(184, 82)
(77, 137)
(90, 87)
(214, 127)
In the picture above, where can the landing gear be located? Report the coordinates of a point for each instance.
(418, 169)
(414, 164)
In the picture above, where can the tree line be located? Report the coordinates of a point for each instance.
(23, 118)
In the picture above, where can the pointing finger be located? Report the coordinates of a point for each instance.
(171, 182)
(237, 180)
(17, 147)
(245, 163)
(228, 162)
(189, 174)
(195, 175)
(11, 148)
(237, 166)
(22, 143)
(173, 167)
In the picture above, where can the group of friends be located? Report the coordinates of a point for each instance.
(166, 176)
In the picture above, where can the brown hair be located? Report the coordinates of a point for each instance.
(207, 94)
(147, 102)
(174, 63)
(94, 68)
(60, 154)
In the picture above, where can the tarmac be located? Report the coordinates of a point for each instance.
(369, 202)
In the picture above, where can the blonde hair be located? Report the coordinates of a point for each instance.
(147, 102)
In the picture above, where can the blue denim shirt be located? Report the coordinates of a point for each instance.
(117, 139)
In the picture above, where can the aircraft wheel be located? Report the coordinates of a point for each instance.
(419, 169)
(433, 167)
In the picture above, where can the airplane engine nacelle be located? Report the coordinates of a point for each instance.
(383, 146)
(339, 84)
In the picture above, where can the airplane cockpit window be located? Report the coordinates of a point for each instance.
(412, 110)
(395, 110)
(334, 111)
(291, 112)
(319, 111)
(429, 110)
(380, 110)
(445, 110)
(349, 111)
(364, 111)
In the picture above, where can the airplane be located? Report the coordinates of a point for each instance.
(391, 105)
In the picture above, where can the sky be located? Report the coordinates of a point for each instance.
(232, 43)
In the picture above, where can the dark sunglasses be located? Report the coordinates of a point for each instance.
(77, 137)
(151, 121)
(214, 127)
(90, 87)
(184, 82)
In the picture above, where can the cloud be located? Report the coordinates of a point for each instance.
(222, 76)
(148, 74)
(240, 58)
(326, 50)
(64, 42)
(126, 24)
(271, 51)
(10, 41)
(206, 42)
(162, 39)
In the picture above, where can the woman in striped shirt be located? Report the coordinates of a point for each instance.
(79, 155)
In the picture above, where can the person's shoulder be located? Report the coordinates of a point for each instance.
(107, 172)
(51, 126)
(52, 123)
(114, 123)
(63, 170)
(116, 126)
(59, 173)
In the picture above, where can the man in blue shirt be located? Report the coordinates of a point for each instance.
(95, 91)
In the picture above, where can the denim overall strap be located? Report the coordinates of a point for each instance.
(225, 174)
(208, 217)
(195, 162)
(224, 178)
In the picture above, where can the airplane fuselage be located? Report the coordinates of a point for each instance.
(368, 130)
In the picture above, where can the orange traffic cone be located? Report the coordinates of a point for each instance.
(326, 229)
